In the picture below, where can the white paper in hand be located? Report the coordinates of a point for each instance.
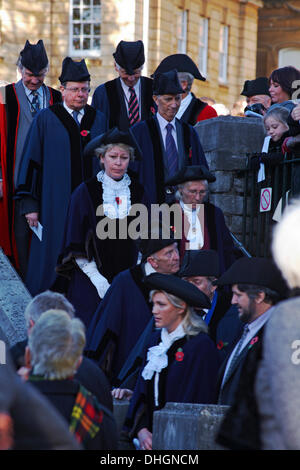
(38, 231)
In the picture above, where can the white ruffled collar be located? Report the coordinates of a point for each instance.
(157, 355)
(116, 195)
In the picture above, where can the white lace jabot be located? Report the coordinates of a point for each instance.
(157, 355)
(116, 195)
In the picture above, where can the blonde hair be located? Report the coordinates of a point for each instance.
(191, 323)
(101, 151)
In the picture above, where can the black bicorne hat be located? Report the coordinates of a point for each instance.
(200, 263)
(113, 136)
(34, 57)
(259, 86)
(191, 173)
(167, 83)
(130, 55)
(74, 71)
(182, 289)
(181, 63)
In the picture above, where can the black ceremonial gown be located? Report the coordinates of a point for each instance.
(81, 240)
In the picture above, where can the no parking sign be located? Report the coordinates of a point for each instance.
(265, 200)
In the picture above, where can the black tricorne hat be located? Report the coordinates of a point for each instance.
(259, 86)
(256, 271)
(34, 57)
(130, 55)
(180, 62)
(191, 173)
(113, 136)
(167, 83)
(200, 263)
(182, 289)
(74, 71)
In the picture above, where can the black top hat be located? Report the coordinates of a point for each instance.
(74, 71)
(259, 86)
(34, 57)
(200, 263)
(113, 136)
(255, 271)
(167, 83)
(130, 55)
(191, 173)
(184, 290)
(180, 62)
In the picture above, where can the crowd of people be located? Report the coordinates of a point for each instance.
(127, 302)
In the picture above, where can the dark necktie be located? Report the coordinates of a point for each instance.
(75, 116)
(237, 352)
(35, 105)
(133, 108)
(171, 151)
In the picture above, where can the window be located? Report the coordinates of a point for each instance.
(223, 53)
(85, 27)
(182, 31)
(289, 56)
(203, 45)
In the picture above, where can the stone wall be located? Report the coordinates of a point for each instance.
(184, 426)
(226, 141)
(13, 300)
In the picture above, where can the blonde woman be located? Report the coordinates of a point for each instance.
(181, 362)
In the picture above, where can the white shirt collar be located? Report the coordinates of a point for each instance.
(28, 92)
(70, 111)
(183, 105)
(163, 122)
(149, 269)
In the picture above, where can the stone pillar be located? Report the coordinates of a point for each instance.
(226, 141)
(14, 298)
(184, 426)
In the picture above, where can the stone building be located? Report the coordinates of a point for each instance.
(278, 35)
(220, 36)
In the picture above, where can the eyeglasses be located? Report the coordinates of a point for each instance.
(78, 90)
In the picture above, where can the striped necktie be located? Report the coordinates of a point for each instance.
(35, 104)
(171, 151)
(133, 108)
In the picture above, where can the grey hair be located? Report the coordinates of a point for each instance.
(45, 301)
(191, 323)
(101, 151)
(188, 77)
(286, 246)
(56, 344)
(178, 195)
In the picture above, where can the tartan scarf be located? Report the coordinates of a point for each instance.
(86, 416)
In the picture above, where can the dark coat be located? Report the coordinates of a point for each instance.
(118, 322)
(229, 390)
(190, 380)
(62, 395)
(80, 240)
(10, 131)
(150, 169)
(52, 167)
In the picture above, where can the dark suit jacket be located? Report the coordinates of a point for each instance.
(229, 390)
